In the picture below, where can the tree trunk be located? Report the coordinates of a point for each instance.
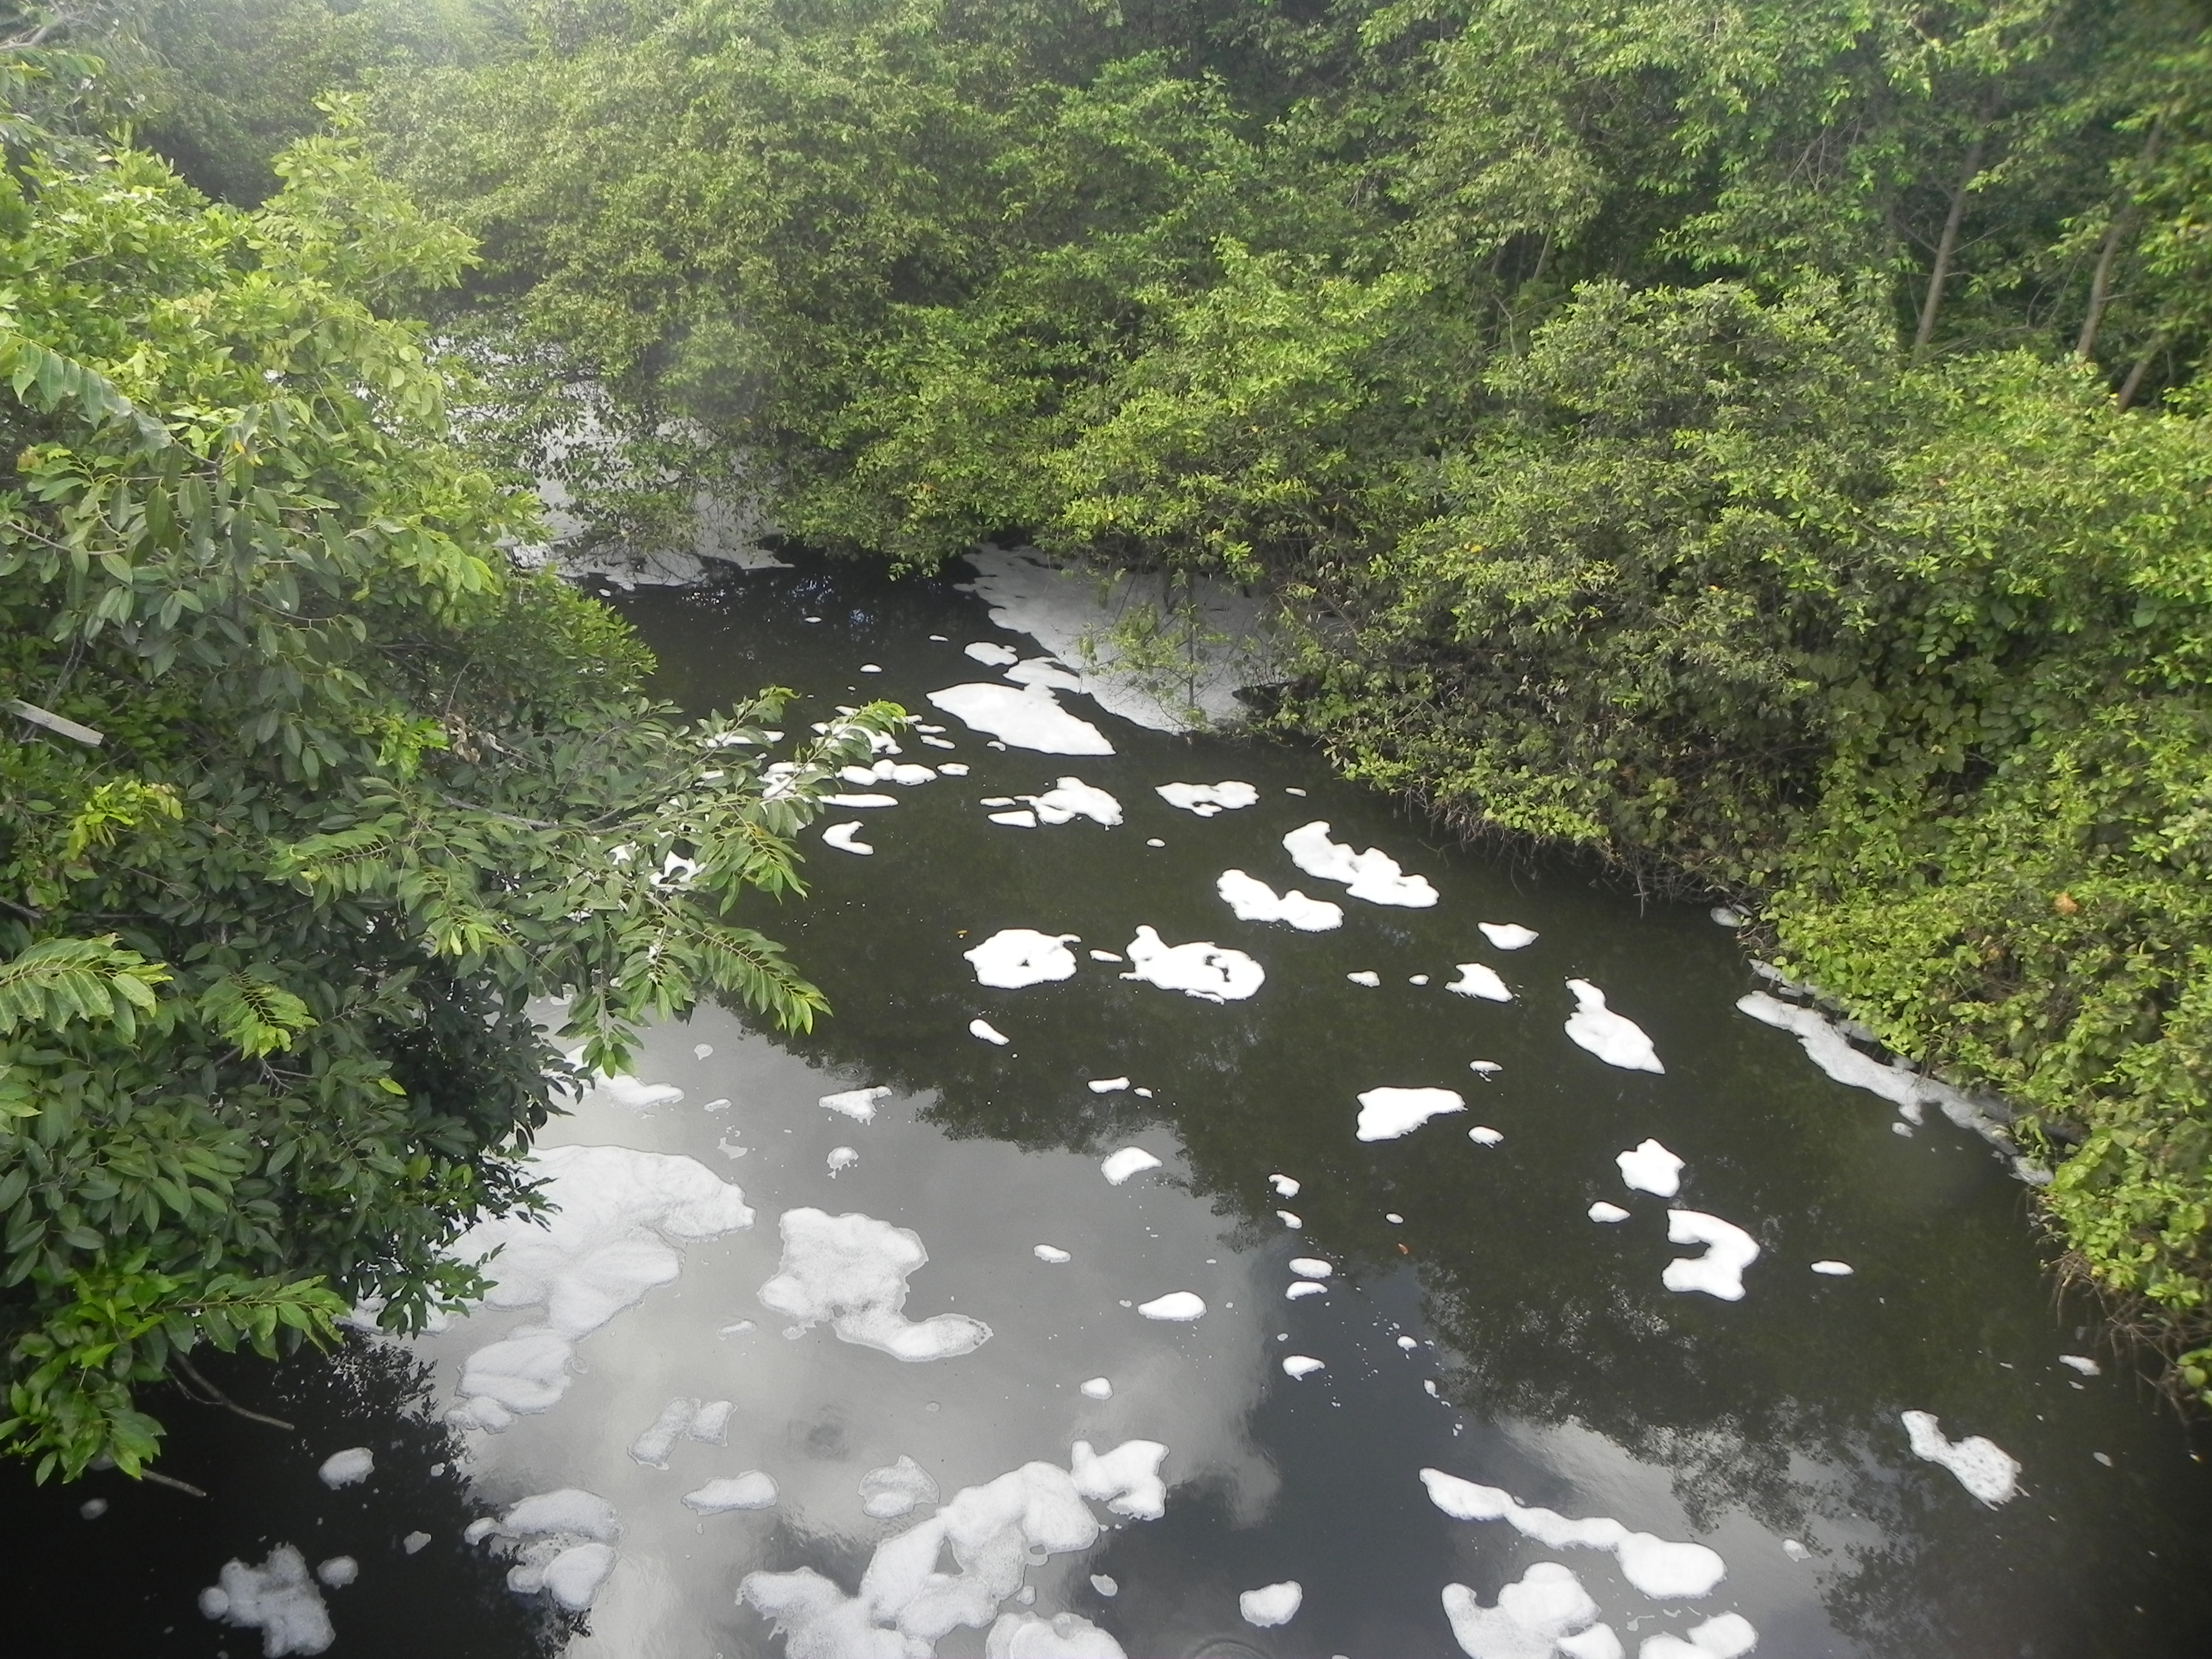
(2100, 281)
(1947, 248)
(2133, 384)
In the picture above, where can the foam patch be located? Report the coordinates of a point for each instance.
(1310, 1267)
(846, 838)
(1176, 1307)
(619, 1216)
(851, 1270)
(1483, 1136)
(1044, 672)
(1107, 1086)
(1613, 1038)
(1387, 1114)
(1021, 819)
(861, 803)
(1983, 1468)
(841, 1160)
(1071, 798)
(1298, 1365)
(1372, 875)
(895, 1490)
(1208, 798)
(1063, 1636)
(1118, 1167)
(1547, 1603)
(1304, 1288)
(750, 1491)
(992, 654)
(1014, 957)
(1096, 1387)
(1508, 935)
(1052, 1254)
(277, 1598)
(1664, 1570)
(1271, 1604)
(1607, 1214)
(1255, 901)
(1833, 1269)
(987, 1032)
(859, 1104)
(349, 1467)
(1367, 977)
(1025, 718)
(1727, 1637)
(1126, 1479)
(1650, 1168)
(1284, 1185)
(1201, 969)
(1479, 980)
(1719, 1271)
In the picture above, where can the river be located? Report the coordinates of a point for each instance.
(1410, 1376)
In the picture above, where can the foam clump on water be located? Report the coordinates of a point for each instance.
(1613, 1038)
(611, 1236)
(1483, 1136)
(1661, 1569)
(1118, 1167)
(1201, 969)
(1533, 1615)
(841, 1158)
(1096, 1387)
(1387, 1114)
(750, 1491)
(1284, 1186)
(1176, 1307)
(858, 1103)
(2080, 1363)
(337, 1572)
(1107, 1086)
(1310, 1267)
(568, 1545)
(846, 838)
(1070, 799)
(851, 1270)
(1206, 799)
(278, 1598)
(1650, 1168)
(1126, 1479)
(897, 1489)
(1298, 1365)
(989, 1032)
(1251, 900)
(1306, 1287)
(1372, 875)
(1479, 980)
(1271, 1604)
(1014, 957)
(1063, 1636)
(1719, 1271)
(1983, 1468)
(653, 1446)
(1607, 1214)
(1508, 935)
(1367, 977)
(1729, 1636)
(570, 1510)
(904, 1605)
(1833, 1269)
(349, 1467)
(1051, 1253)
(1043, 671)
(1024, 717)
(992, 654)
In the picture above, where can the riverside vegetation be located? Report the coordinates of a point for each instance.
(1760, 446)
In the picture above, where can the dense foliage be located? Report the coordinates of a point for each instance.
(362, 787)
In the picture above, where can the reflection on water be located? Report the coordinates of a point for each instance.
(1475, 1321)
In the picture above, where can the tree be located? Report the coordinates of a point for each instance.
(307, 788)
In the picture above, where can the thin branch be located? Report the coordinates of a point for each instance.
(1946, 248)
(217, 1397)
(172, 1482)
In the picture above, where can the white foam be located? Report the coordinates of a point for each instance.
(851, 1270)
(1387, 1114)
(1719, 1271)
(1310, 1267)
(1662, 1570)
(2082, 1363)
(1833, 1269)
(1200, 968)
(1598, 1642)
(1207, 799)
(896, 1489)
(1104, 1585)
(1483, 1136)
(1485, 1068)
(1026, 718)
(1983, 1468)
(1479, 980)
(1126, 1479)
(573, 1577)
(651, 1447)
(859, 802)
(1107, 956)
(617, 1218)
(750, 1491)
(1508, 935)
(339, 1572)
(627, 1094)
(1367, 977)
(989, 1032)
(1014, 957)
(1070, 799)
(1300, 1366)
(1608, 1214)
(905, 774)
(1613, 1038)
(1271, 1604)
(349, 1467)
(1051, 1253)
(992, 654)
(1727, 1637)
(414, 1542)
(857, 1103)
(711, 1423)
(1284, 1185)
(1546, 1603)
(1372, 875)
(1098, 1388)
(1107, 1086)
(1306, 1287)
(841, 1158)
(566, 1512)
(1416, 979)
(1291, 1219)
(1063, 1636)
(1651, 1168)
(1118, 1167)
(1176, 1307)
(1021, 819)
(1255, 901)
(277, 1598)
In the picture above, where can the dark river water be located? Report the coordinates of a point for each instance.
(1574, 1414)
